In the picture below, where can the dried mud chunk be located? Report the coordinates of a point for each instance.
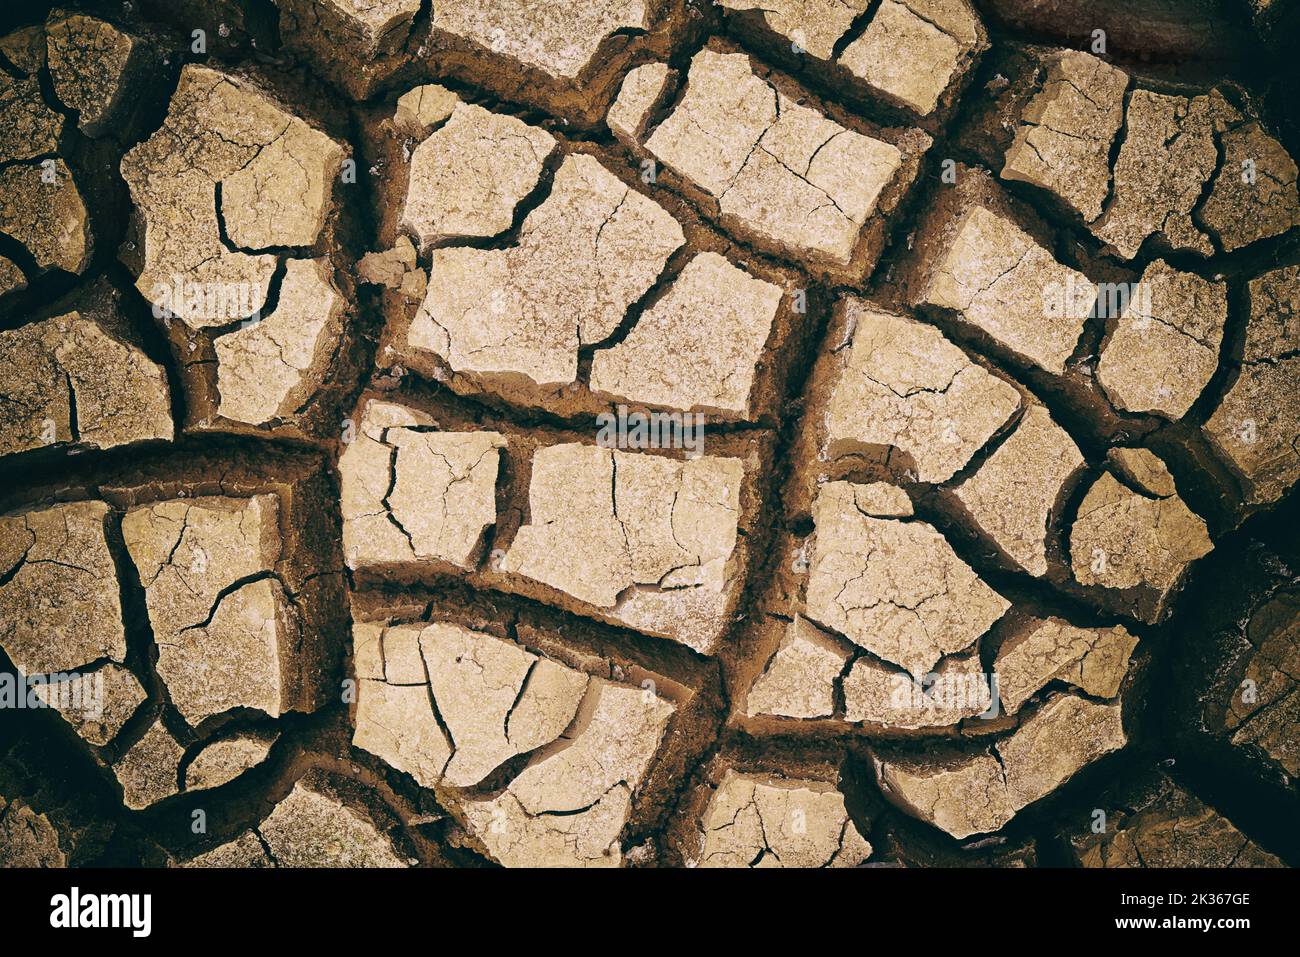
(250, 631)
(393, 268)
(281, 197)
(1122, 539)
(68, 371)
(1257, 424)
(722, 116)
(913, 50)
(591, 249)
(894, 587)
(905, 386)
(1274, 326)
(779, 171)
(370, 534)
(1169, 153)
(117, 395)
(1066, 734)
(960, 796)
(313, 827)
(96, 703)
(223, 761)
(414, 495)
(641, 90)
(759, 821)
(1094, 660)
(147, 772)
(60, 608)
(223, 622)
(41, 208)
(1265, 712)
(587, 838)
(190, 549)
(822, 210)
(799, 681)
(813, 24)
(1013, 495)
(1143, 469)
(31, 128)
(1275, 733)
(368, 650)
(397, 723)
(244, 851)
(611, 737)
(25, 49)
(459, 471)
(699, 346)
(421, 108)
(11, 277)
(1063, 142)
(27, 839)
(1254, 196)
(1165, 348)
(981, 793)
(877, 694)
(269, 368)
(560, 39)
(89, 61)
(468, 176)
(882, 500)
(401, 659)
(647, 538)
(497, 699)
(1002, 281)
(569, 805)
(274, 173)
(1169, 828)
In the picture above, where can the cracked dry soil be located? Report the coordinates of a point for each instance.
(309, 309)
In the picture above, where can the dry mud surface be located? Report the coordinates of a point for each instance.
(317, 544)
